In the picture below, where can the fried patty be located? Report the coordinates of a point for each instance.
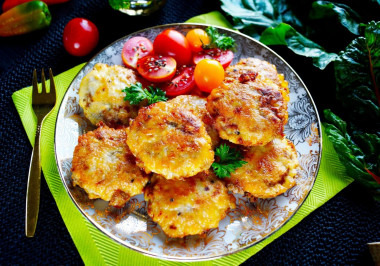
(247, 115)
(254, 70)
(190, 206)
(197, 105)
(269, 172)
(170, 140)
(105, 168)
(101, 96)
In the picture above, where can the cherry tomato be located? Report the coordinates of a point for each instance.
(134, 49)
(197, 38)
(225, 57)
(182, 82)
(173, 43)
(157, 68)
(208, 74)
(80, 36)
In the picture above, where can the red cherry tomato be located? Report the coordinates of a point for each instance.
(225, 57)
(173, 43)
(182, 82)
(157, 68)
(208, 74)
(80, 36)
(134, 49)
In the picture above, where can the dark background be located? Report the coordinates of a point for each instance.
(336, 233)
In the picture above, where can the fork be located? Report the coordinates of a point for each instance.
(42, 104)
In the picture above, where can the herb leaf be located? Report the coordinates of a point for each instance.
(136, 94)
(229, 161)
(218, 40)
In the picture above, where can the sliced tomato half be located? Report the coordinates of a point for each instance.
(224, 57)
(182, 82)
(157, 68)
(134, 49)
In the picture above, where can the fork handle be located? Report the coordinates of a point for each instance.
(34, 186)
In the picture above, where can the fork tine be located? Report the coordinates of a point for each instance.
(43, 81)
(35, 82)
(52, 84)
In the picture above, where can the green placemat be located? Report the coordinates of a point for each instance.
(97, 249)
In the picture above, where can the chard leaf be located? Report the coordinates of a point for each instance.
(254, 16)
(352, 156)
(273, 23)
(285, 34)
(347, 17)
(357, 73)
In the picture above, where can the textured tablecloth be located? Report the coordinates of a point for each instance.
(336, 233)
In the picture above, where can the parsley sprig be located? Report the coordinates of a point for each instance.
(218, 40)
(136, 94)
(229, 161)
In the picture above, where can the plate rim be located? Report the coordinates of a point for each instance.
(200, 258)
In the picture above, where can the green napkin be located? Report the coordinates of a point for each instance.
(97, 249)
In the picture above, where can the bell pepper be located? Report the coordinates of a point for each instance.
(24, 18)
(8, 4)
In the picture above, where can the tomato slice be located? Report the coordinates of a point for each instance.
(173, 43)
(182, 82)
(134, 49)
(157, 68)
(225, 57)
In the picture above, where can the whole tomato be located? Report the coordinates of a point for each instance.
(80, 36)
(174, 44)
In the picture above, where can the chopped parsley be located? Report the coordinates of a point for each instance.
(136, 94)
(229, 161)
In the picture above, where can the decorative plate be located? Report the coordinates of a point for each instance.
(243, 227)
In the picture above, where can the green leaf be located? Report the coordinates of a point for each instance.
(120, 4)
(347, 17)
(254, 16)
(357, 73)
(285, 34)
(229, 161)
(351, 155)
(136, 94)
(218, 40)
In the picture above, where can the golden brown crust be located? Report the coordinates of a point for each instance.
(101, 96)
(197, 105)
(105, 168)
(254, 70)
(170, 141)
(190, 206)
(247, 115)
(269, 172)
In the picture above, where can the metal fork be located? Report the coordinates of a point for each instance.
(42, 104)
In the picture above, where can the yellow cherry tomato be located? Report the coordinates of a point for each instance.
(196, 38)
(208, 74)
